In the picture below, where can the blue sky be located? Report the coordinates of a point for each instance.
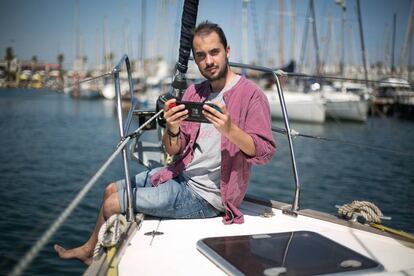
(46, 28)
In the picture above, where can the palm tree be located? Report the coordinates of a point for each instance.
(34, 63)
(60, 59)
(9, 57)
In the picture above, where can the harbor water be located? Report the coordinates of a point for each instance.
(52, 144)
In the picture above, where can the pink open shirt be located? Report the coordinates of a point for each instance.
(249, 110)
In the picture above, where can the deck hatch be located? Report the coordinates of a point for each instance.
(289, 253)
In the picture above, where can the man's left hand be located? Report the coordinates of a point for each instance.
(220, 120)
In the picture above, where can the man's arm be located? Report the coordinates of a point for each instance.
(173, 116)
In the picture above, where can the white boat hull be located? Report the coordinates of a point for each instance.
(347, 110)
(301, 107)
(345, 106)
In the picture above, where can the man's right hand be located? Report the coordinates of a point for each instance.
(174, 115)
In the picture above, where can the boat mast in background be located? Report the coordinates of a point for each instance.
(281, 33)
(405, 57)
(293, 48)
(310, 18)
(393, 44)
(342, 62)
(361, 33)
(259, 48)
(245, 27)
(142, 39)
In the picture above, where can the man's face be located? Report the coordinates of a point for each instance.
(210, 56)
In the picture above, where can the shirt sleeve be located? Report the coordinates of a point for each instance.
(258, 125)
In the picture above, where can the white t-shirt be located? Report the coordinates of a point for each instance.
(203, 173)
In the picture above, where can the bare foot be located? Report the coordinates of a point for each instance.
(80, 253)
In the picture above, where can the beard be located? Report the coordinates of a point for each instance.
(221, 74)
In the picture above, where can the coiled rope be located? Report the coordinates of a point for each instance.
(110, 233)
(368, 210)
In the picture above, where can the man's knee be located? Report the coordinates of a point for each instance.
(110, 189)
(111, 205)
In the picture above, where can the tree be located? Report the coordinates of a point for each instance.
(60, 59)
(34, 63)
(9, 58)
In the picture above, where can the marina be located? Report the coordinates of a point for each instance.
(379, 164)
(336, 197)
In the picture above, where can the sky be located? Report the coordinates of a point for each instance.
(46, 28)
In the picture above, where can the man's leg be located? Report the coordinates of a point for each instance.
(84, 253)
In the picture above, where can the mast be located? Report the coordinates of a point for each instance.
(244, 31)
(293, 30)
(142, 39)
(405, 57)
(77, 32)
(160, 38)
(304, 40)
(266, 31)
(410, 64)
(107, 51)
(393, 44)
(342, 61)
(315, 36)
(386, 46)
(328, 43)
(310, 16)
(78, 64)
(361, 33)
(259, 49)
(97, 54)
(281, 33)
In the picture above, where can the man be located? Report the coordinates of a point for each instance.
(207, 179)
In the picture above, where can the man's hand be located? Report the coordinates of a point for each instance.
(174, 115)
(222, 122)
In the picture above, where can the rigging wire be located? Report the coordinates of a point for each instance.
(302, 75)
(294, 133)
(41, 242)
(34, 250)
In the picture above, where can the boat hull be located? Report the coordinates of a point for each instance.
(347, 110)
(301, 107)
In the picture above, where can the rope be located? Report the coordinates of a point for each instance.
(110, 233)
(369, 211)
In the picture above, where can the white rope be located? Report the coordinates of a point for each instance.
(110, 233)
(369, 211)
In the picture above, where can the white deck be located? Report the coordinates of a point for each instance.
(175, 252)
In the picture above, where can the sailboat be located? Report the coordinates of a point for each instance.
(346, 101)
(276, 238)
(303, 107)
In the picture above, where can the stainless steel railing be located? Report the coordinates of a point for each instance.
(123, 127)
(276, 74)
